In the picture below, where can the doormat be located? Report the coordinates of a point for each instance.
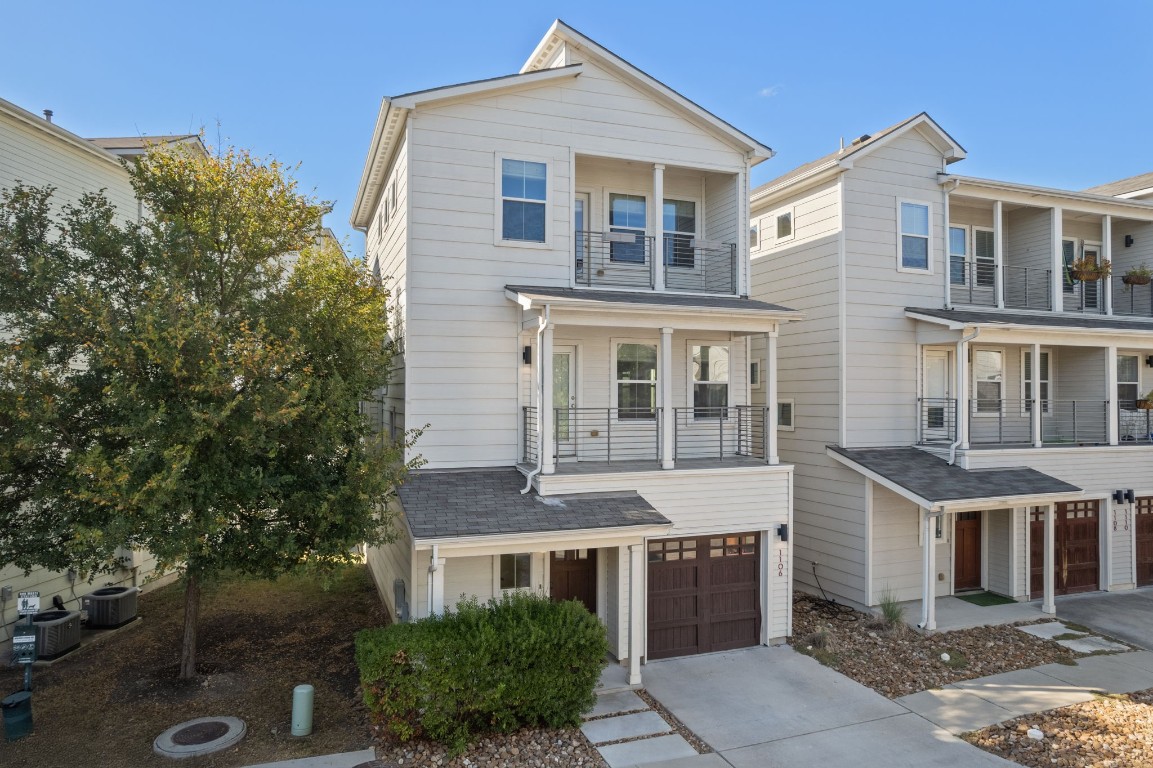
(985, 599)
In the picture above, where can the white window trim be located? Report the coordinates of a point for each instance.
(973, 383)
(759, 365)
(929, 238)
(969, 256)
(615, 342)
(532, 573)
(792, 425)
(690, 382)
(791, 212)
(498, 201)
(1047, 409)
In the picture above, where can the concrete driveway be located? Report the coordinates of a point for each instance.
(1126, 616)
(774, 707)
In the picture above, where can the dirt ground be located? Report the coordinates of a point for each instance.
(102, 706)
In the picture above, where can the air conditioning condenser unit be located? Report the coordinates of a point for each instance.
(57, 633)
(110, 607)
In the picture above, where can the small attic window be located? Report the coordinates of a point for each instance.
(754, 236)
(785, 225)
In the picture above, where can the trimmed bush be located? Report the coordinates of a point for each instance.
(521, 660)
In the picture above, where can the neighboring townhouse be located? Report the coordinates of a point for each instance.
(36, 152)
(967, 397)
(567, 253)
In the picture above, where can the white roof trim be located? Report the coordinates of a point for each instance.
(559, 31)
(529, 301)
(998, 325)
(524, 79)
(1144, 205)
(518, 539)
(56, 131)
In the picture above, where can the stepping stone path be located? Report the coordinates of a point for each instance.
(1082, 643)
(628, 732)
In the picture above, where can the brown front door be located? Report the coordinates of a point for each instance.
(1076, 548)
(573, 576)
(704, 595)
(1143, 523)
(967, 551)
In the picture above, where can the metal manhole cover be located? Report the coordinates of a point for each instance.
(201, 733)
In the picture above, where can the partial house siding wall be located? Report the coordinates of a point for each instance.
(463, 335)
(999, 535)
(898, 553)
(390, 562)
(1028, 243)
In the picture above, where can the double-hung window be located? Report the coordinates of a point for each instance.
(984, 264)
(516, 571)
(636, 380)
(680, 225)
(914, 232)
(1068, 256)
(710, 371)
(1044, 376)
(785, 226)
(989, 380)
(524, 192)
(1128, 381)
(958, 256)
(627, 216)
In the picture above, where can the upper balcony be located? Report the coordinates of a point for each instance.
(688, 242)
(1012, 254)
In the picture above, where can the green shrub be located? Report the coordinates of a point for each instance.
(522, 660)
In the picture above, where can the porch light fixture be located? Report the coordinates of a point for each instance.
(1130, 496)
(1122, 496)
(783, 531)
(526, 355)
(1118, 497)
(1149, 361)
(940, 531)
(1128, 240)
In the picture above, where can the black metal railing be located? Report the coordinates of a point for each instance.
(1010, 422)
(607, 434)
(721, 432)
(1028, 287)
(1134, 425)
(622, 258)
(938, 422)
(698, 265)
(1132, 300)
(530, 435)
(973, 282)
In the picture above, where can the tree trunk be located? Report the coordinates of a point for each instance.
(191, 620)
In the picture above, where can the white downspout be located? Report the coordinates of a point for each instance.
(433, 566)
(541, 410)
(962, 407)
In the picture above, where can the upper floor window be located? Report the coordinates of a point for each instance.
(710, 372)
(627, 215)
(784, 225)
(523, 189)
(914, 226)
(754, 236)
(680, 225)
(1128, 380)
(958, 256)
(1043, 378)
(636, 380)
(785, 410)
(989, 380)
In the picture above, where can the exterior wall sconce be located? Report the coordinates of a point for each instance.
(1123, 496)
(1128, 240)
(940, 530)
(526, 355)
(1149, 361)
(783, 531)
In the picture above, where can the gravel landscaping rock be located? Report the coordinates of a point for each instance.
(1110, 732)
(529, 748)
(899, 661)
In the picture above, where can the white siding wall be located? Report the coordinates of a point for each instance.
(999, 534)
(392, 561)
(1028, 240)
(897, 550)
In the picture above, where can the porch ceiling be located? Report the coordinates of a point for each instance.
(933, 483)
(457, 505)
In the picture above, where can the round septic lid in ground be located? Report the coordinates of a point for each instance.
(199, 737)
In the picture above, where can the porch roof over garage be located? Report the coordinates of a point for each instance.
(935, 484)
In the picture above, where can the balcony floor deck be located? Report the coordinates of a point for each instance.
(602, 467)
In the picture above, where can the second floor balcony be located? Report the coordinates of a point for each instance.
(992, 423)
(628, 259)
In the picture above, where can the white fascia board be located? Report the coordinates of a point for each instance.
(829, 170)
(380, 152)
(1136, 193)
(1029, 189)
(40, 124)
(952, 325)
(999, 502)
(758, 320)
(998, 326)
(895, 487)
(519, 542)
(483, 87)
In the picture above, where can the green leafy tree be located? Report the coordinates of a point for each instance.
(188, 385)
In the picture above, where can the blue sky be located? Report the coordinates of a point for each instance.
(1050, 93)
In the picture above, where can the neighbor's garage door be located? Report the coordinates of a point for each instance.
(704, 595)
(1076, 548)
(1144, 531)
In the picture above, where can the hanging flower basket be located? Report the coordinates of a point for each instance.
(1145, 405)
(1135, 279)
(1085, 275)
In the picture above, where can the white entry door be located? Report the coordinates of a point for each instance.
(937, 413)
(565, 417)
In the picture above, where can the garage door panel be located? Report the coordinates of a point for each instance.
(1076, 545)
(1143, 529)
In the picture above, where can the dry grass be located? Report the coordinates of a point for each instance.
(103, 706)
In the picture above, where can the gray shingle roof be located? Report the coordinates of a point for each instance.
(654, 299)
(1050, 320)
(936, 480)
(442, 504)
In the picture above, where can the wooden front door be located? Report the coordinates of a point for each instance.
(704, 595)
(573, 576)
(967, 551)
(1143, 525)
(1076, 548)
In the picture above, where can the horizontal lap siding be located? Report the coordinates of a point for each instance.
(999, 534)
(392, 561)
(1028, 242)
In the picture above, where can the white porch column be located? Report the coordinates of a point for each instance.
(547, 414)
(636, 611)
(999, 253)
(963, 409)
(929, 572)
(1107, 255)
(769, 375)
(1057, 260)
(1112, 411)
(657, 227)
(1047, 604)
(665, 401)
(1035, 389)
(435, 584)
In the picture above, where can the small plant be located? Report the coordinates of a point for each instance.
(1146, 401)
(954, 659)
(892, 611)
(1088, 269)
(1139, 275)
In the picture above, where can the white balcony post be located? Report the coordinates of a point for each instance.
(665, 399)
(1035, 391)
(769, 375)
(547, 413)
(928, 572)
(963, 406)
(1112, 407)
(435, 585)
(1057, 271)
(1107, 255)
(999, 253)
(657, 225)
(1047, 603)
(636, 610)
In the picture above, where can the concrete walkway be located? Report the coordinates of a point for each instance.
(1125, 615)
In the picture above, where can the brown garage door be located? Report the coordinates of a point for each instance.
(1143, 523)
(704, 595)
(1076, 548)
